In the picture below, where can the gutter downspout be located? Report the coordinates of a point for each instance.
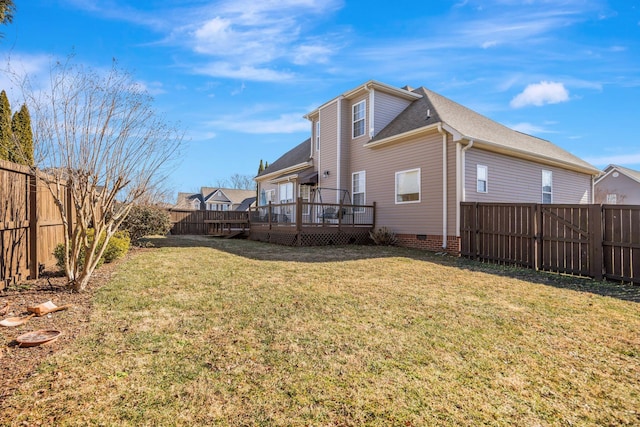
(459, 185)
(464, 167)
(444, 186)
(339, 150)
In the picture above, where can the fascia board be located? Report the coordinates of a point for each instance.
(525, 155)
(401, 136)
(290, 169)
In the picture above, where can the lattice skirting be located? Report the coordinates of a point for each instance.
(337, 237)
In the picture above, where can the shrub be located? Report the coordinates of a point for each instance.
(146, 221)
(383, 236)
(117, 247)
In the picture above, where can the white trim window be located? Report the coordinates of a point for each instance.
(285, 191)
(408, 186)
(612, 199)
(196, 204)
(305, 195)
(269, 196)
(318, 135)
(482, 179)
(359, 112)
(547, 186)
(358, 186)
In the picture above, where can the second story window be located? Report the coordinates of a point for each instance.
(547, 187)
(318, 135)
(481, 181)
(359, 110)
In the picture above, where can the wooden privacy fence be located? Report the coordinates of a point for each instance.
(208, 222)
(30, 224)
(586, 240)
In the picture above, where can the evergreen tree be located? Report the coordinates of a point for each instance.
(6, 11)
(23, 137)
(261, 167)
(6, 138)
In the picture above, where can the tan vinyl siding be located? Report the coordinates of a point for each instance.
(520, 181)
(347, 145)
(627, 190)
(328, 158)
(381, 165)
(386, 108)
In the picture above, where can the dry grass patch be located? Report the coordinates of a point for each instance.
(211, 332)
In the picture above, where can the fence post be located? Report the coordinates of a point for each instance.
(33, 226)
(536, 214)
(269, 211)
(595, 241)
(473, 234)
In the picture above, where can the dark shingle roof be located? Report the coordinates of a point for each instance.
(433, 108)
(246, 203)
(299, 154)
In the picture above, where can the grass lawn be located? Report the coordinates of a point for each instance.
(224, 332)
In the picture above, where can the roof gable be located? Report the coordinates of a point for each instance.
(632, 174)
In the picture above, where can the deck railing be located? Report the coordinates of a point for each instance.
(301, 214)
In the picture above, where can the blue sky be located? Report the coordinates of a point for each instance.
(239, 75)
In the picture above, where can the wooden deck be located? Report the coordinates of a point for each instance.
(292, 224)
(312, 224)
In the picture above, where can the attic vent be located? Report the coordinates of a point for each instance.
(408, 88)
(428, 113)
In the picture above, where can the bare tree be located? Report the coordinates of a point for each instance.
(97, 134)
(236, 181)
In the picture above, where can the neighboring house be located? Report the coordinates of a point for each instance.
(216, 199)
(618, 185)
(418, 155)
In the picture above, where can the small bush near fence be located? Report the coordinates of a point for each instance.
(117, 247)
(146, 221)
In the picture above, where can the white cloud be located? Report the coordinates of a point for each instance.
(252, 34)
(243, 72)
(285, 123)
(542, 93)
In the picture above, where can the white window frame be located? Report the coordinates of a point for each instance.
(397, 195)
(485, 172)
(197, 204)
(612, 199)
(269, 196)
(549, 174)
(357, 120)
(304, 192)
(288, 191)
(318, 135)
(362, 189)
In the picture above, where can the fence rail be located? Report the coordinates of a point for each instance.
(30, 224)
(586, 240)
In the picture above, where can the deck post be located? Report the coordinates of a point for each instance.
(269, 210)
(373, 217)
(299, 221)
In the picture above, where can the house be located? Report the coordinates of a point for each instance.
(618, 185)
(417, 155)
(216, 199)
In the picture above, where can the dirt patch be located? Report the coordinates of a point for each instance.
(18, 363)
